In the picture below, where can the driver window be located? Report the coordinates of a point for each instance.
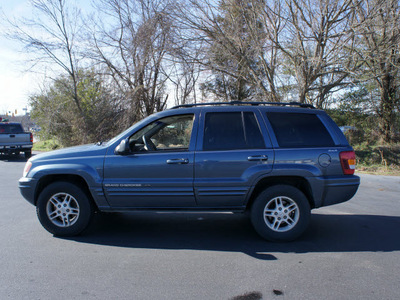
(171, 133)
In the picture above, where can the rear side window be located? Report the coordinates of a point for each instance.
(232, 130)
(11, 128)
(299, 130)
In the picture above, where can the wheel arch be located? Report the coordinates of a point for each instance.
(299, 182)
(72, 178)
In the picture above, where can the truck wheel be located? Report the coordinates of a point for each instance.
(64, 209)
(280, 213)
(28, 154)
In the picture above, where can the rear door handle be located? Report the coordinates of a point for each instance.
(257, 158)
(177, 161)
(12, 135)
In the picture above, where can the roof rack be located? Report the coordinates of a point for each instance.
(303, 105)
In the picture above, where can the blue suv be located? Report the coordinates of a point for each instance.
(276, 160)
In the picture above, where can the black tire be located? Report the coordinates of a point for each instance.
(28, 154)
(64, 209)
(280, 213)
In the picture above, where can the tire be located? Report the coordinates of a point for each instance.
(28, 154)
(280, 213)
(64, 209)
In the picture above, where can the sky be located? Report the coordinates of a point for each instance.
(15, 83)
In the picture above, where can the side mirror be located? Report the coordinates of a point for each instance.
(122, 148)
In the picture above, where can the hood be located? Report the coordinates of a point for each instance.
(72, 152)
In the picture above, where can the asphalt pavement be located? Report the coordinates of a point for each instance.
(350, 251)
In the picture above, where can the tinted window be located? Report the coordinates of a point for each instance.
(253, 135)
(234, 130)
(11, 128)
(299, 130)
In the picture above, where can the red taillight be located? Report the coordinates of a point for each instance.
(31, 137)
(348, 162)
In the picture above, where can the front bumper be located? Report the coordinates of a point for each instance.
(27, 187)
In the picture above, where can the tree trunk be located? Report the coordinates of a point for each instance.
(386, 108)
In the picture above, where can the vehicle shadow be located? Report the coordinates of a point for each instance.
(12, 158)
(234, 233)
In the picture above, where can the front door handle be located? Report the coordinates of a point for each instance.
(257, 158)
(177, 161)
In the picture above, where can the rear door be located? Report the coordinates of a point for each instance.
(233, 150)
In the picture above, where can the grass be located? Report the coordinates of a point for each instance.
(378, 159)
(378, 170)
(46, 145)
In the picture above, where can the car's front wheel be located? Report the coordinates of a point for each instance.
(64, 209)
(280, 213)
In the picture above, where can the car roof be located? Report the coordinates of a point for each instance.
(249, 103)
(292, 107)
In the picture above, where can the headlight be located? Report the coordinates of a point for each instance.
(27, 168)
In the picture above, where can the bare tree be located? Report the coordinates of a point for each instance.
(133, 47)
(269, 14)
(183, 77)
(51, 37)
(377, 51)
(314, 41)
(232, 40)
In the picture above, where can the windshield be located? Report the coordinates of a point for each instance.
(118, 137)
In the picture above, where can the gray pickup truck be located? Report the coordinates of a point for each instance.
(275, 160)
(13, 139)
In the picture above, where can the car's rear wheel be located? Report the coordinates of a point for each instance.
(280, 213)
(64, 209)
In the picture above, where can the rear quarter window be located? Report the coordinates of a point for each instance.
(296, 130)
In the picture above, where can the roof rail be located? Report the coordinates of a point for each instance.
(304, 105)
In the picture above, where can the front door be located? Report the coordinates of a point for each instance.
(158, 172)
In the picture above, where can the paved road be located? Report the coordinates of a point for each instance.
(351, 251)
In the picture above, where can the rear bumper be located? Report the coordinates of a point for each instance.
(340, 189)
(14, 148)
(27, 187)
